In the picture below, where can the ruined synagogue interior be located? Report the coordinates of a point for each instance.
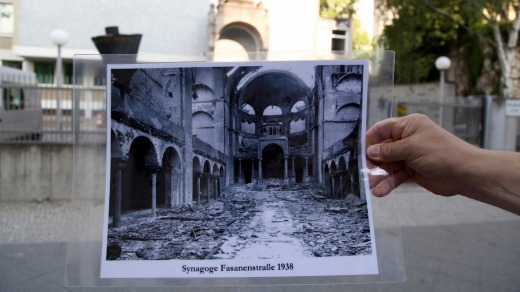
(189, 142)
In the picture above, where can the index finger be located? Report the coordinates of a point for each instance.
(381, 132)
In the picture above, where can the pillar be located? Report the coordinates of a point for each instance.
(215, 186)
(293, 172)
(340, 187)
(260, 173)
(253, 178)
(208, 188)
(285, 170)
(333, 185)
(116, 218)
(198, 187)
(154, 193)
(306, 170)
(240, 174)
(168, 188)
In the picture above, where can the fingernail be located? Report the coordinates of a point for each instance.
(374, 151)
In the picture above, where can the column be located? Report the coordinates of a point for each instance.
(306, 170)
(240, 174)
(260, 174)
(116, 219)
(293, 172)
(168, 180)
(198, 187)
(340, 187)
(208, 187)
(285, 170)
(253, 178)
(332, 176)
(215, 186)
(154, 193)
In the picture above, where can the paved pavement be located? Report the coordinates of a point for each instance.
(449, 244)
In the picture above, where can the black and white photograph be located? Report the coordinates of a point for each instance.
(229, 169)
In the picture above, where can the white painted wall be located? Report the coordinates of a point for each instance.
(168, 26)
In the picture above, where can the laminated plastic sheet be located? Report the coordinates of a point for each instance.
(203, 234)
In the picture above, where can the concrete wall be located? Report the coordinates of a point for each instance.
(40, 172)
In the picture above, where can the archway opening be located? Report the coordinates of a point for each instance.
(241, 35)
(169, 179)
(205, 184)
(273, 161)
(137, 193)
(197, 172)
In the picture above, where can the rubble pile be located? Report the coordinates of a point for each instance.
(219, 229)
(329, 227)
(188, 232)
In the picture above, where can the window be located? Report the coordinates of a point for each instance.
(12, 64)
(13, 98)
(338, 40)
(44, 72)
(67, 72)
(6, 18)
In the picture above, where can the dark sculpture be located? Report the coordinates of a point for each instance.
(118, 48)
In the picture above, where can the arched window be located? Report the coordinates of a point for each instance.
(272, 110)
(298, 106)
(248, 109)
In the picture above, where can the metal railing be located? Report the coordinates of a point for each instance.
(464, 117)
(47, 114)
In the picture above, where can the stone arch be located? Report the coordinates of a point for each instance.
(298, 106)
(140, 172)
(273, 156)
(272, 110)
(214, 169)
(202, 92)
(348, 113)
(244, 34)
(203, 126)
(247, 109)
(350, 83)
(202, 119)
(169, 179)
(272, 87)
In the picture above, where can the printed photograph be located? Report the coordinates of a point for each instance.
(252, 168)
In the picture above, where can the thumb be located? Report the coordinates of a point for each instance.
(388, 152)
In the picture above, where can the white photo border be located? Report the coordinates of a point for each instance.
(309, 266)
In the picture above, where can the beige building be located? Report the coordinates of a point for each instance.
(169, 28)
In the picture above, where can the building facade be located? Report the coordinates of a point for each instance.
(169, 28)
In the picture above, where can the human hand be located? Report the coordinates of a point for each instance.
(414, 147)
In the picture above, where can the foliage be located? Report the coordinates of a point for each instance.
(338, 8)
(360, 38)
(345, 9)
(463, 29)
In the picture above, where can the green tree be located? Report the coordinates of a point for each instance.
(338, 8)
(471, 30)
(346, 9)
(360, 38)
